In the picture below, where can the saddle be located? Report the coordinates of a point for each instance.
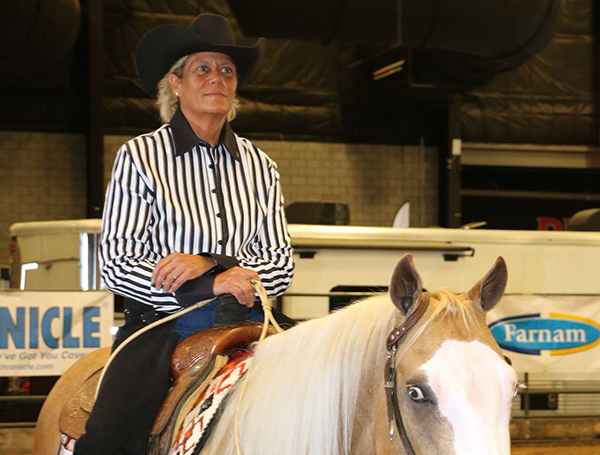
(193, 363)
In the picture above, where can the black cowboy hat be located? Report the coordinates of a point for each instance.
(162, 46)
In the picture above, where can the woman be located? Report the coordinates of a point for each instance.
(192, 212)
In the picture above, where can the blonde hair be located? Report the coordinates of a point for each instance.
(168, 103)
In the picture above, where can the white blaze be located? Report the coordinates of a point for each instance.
(474, 389)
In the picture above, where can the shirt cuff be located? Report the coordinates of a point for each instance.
(196, 290)
(201, 288)
(222, 262)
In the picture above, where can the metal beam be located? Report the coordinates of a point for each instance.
(531, 155)
(95, 131)
(449, 177)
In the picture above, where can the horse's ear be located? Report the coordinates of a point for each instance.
(489, 290)
(406, 284)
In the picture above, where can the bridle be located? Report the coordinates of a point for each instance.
(393, 340)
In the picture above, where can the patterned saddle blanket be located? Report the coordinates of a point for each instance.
(199, 413)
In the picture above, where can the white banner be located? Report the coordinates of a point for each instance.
(44, 333)
(549, 334)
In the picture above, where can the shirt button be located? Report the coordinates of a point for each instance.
(220, 242)
(213, 190)
(211, 166)
(218, 215)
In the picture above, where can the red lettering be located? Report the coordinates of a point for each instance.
(547, 223)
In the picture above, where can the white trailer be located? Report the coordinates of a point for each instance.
(539, 262)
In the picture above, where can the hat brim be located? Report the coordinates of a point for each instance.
(161, 47)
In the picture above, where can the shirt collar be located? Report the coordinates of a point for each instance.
(185, 139)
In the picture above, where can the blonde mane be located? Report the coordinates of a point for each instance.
(303, 384)
(456, 305)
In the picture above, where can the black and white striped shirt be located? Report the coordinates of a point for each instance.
(171, 192)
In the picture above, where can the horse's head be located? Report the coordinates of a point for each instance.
(454, 386)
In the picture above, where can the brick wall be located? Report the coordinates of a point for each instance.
(374, 180)
(42, 177)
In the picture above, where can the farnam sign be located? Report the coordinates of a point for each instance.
(560, 333)
(549, 333)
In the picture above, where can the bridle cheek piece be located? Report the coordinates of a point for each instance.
(392, 342)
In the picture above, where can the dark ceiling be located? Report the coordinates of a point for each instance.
(531, 85)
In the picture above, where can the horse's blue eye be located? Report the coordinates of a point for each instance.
(415, 393)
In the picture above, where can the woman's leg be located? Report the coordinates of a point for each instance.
(132, 391)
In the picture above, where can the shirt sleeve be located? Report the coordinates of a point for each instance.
(126, 259)
(273, 259)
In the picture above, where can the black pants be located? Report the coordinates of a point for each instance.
(132, 391)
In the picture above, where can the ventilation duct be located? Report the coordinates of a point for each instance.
(461, 40)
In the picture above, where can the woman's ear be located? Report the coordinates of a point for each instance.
(174, 82)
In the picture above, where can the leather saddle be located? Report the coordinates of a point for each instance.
(192, 362)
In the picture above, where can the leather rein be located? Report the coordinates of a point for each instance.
(392, 342)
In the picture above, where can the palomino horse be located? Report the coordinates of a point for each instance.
(320, 388)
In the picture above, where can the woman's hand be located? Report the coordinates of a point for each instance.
(177, 268)
(236, 281)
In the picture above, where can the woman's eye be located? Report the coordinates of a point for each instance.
(203, 68)
(227, 70)
(415, 393)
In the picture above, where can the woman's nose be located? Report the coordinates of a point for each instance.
(215, 77)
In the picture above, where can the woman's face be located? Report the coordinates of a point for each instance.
(208, 84)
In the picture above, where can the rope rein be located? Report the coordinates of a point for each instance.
(269, 318)
(264, 301)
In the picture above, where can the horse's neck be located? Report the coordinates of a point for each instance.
(299, 409)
